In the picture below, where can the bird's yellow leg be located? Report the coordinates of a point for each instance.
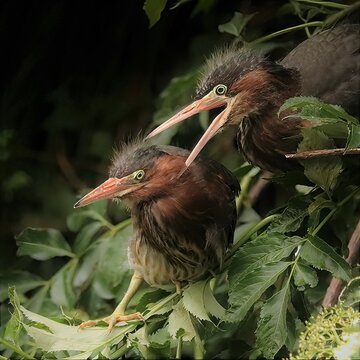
(178, 288)
(119, 313)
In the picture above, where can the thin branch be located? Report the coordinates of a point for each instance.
(336, 285)
(245, 185)
(341, 14)
(322, 153)
(285, 31)
(325, 3)
(334, 210)
(179, 348)
(198, 350)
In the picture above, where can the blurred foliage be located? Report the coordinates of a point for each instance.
(81, 79)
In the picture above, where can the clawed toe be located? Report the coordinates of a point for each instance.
(112, 320)
(88, 323)
(118, 318)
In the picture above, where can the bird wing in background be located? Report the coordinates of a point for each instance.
(329, 66)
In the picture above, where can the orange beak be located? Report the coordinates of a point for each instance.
(109, 189)
(208, 102)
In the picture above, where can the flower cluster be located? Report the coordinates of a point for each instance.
(334, 333)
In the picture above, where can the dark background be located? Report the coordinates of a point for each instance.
(80, 77)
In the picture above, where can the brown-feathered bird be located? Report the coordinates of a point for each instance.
(183, 224)
(252, 89)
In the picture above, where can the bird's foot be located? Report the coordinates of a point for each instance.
(112, 320)
(116, 318)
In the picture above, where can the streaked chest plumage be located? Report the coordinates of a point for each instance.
(164, 257)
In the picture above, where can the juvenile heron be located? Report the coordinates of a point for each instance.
(183, 224)
(252, 89)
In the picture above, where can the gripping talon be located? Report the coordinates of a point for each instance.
(116, 319)
(112, 320)
(88, 323)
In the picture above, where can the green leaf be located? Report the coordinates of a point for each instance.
(39, 326)
(70, 338)
(242, 170)
(322, 256)
(311, 106)
(22, 280)
(304, 275)
(292, 331)
(177, 93)
(94, 304)
(265, 249)
(324, 171)
(292, 217)
(62, 291)
(36, 302)
(102, 289)
(193, 299)
(113, 267)
(42, 244)
(297, 103)
(271, 332)
(155, 346)
(314, 139)
(245, 291)
(80, 216)
(148, 348)
(149, 299)
(153, 10)
(160, 337)
(320, 202)
(140, 340)
(85, 236)
(236, 25)
(353, 140)
(180, 323)
(211, 304)
(13, 327)
(350, 296)
(332, 120)
(87, 267)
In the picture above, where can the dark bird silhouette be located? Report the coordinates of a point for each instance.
(183, 224)
(252, 89)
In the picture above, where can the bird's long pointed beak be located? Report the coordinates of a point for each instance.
(111, 188)
(211, 131)
(208, 102)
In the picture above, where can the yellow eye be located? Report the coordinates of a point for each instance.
(220, 89)
(139, 175)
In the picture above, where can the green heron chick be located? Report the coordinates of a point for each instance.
(183, 221)
(252, 89)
